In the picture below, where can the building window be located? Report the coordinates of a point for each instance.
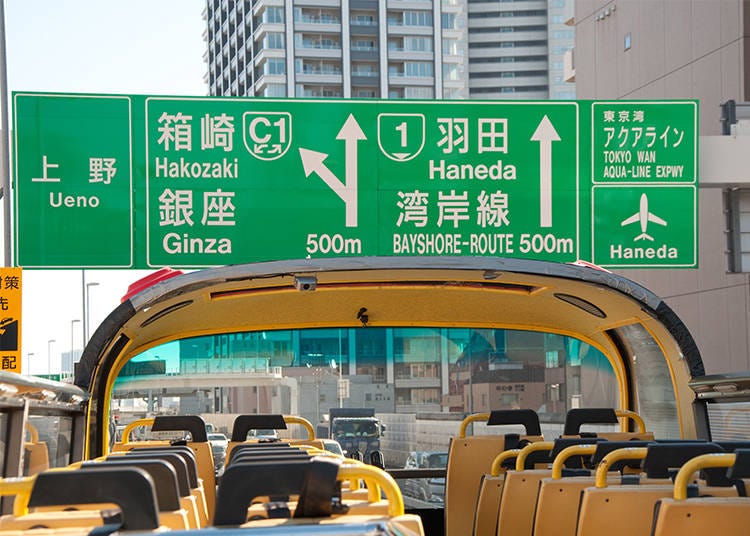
(448, 21)
(420, 92)
(417, 18)
(737, 202)
(274, 14)
(364, 45)
(275, 66)
(418, 68)
(450, 71)
(418, 44)
(452, 47)
(275, 90)
(274, 40)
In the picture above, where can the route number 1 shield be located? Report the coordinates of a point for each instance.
(401, 136)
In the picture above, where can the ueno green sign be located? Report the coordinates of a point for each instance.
(143, 182)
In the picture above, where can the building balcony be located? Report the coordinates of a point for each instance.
(497, 52)
(267, 53)
(267, 27)
(318, 3)
(363, 23)
(260, 5)
(357, 30)
(410, 55)
(518, 81)
(506, 37)
(318, 27)
(266, 79)
(319, 78)
(410, 4)
(416, 383)
(518, 5)
(309, 51)
(365, 74)
(398, 28)
(502, 95)
(499, 67)
(401, 79)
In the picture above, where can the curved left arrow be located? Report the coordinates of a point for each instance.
(313, 162)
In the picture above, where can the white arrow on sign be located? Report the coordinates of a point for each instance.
(545, 134)
(313, 162)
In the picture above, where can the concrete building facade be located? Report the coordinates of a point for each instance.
(680, 49)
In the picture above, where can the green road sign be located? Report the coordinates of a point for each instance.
(644, 225)
(73, 189)
(228, 180)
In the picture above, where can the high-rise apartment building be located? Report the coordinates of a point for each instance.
(337, 48)
(516, 49)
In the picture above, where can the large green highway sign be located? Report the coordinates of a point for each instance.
(144, 182)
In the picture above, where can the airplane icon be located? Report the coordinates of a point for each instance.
(643, 216)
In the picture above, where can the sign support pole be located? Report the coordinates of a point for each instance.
(4, 156)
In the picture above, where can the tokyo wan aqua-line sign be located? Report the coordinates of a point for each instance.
(145, 182)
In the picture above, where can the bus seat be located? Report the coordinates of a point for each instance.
(635, 503)
(518, 498)
(199, 444)
(244, 423)
(577, 417)
(189, 463)
(172, 513)
(471, 457)
(131, 489)
(490, 489)
(716, 515)
(559, 494)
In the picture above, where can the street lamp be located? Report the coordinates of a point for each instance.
(72, 323)
(86, 313)
(335, 366)
(49, 357)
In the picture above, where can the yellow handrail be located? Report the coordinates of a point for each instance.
(382, 479)
(629, 453)
(716, 459)
(291, 419)
(476, 417)
(132, 426)
(569, 452)
(632, 415)
(497, 463)
(33, 433)
(20, 488)
(528, 449)
(373, 489)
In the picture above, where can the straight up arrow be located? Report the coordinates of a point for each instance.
(351, 133)
(545, 134)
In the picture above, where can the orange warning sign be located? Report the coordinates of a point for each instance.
(10, 319)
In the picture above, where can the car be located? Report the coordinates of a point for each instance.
(219, 444)
(426, 489)
(331, 445)
(265, 435)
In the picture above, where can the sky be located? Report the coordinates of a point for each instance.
(152, 47)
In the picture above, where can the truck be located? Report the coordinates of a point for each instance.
(358, 432)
